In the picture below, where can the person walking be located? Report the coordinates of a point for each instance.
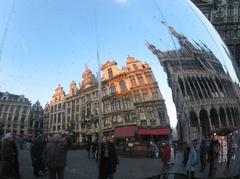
(89, 146)
(192, 161)
(213, 155)
(54, 156)
(229, 157)
(166, 156)
(203, 154)
(9, 158)
(36, 156)
(108, 159)
(185, 154)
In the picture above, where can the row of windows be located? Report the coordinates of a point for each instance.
(133, 82)
(230, 13)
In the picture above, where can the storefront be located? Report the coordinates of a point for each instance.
(226, 137)
(147, 135)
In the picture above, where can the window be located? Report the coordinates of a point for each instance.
(126, 102)
(133, 81)
(138, 97)
(110, 73)
(113, 88)
(230, 13)
(145, 95)
(123, 85)
(135, 67)
(140, 79)
(148, 76)
(116, 105)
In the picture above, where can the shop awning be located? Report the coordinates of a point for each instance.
(154, 132)
(126, 131)
(144, 132)
(161, 131)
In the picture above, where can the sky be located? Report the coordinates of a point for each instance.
(44, 43)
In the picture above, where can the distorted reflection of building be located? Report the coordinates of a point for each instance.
(36, 119)
(225, 17)
(15, 113)
(132, 105)
(204, 94)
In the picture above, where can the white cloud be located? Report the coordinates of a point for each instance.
(121, 2)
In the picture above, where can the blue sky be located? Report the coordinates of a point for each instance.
(49, 42)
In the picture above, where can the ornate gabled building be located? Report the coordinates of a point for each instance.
(15, 111)
(204, 94)
(131, 100)
(225, 17)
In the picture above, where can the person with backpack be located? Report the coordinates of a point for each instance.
(54, 156)
(192, 161)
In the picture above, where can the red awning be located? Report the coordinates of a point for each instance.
(161, 131)
(126, 131)
(154, 132)
(144, 132)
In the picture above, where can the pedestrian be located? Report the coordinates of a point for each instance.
(36, 156)
(192, 161)
(213, 155)
(108, 159)
(89, 145)
(166, 156)
(229, 156)
(94, 149)
(54, 156)
(203, 154)
(185, 155)
(9, 158)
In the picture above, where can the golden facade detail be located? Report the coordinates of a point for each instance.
(131, 96)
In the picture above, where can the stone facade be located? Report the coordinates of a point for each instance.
(203, 92)
(15, 113)
(225, 17)
(130, 96)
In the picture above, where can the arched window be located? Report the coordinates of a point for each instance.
(113, 88)
(230, 13)
(123, 85)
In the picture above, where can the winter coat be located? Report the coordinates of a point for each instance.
(54, 154)
(37, 152)
(192, 160)
(108, 164)
(9, 161)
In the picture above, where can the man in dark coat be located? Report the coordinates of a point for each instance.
(36, 156)
(54, 155)
(108, 159)
(213, 154)
(9, 161)
(203, 153)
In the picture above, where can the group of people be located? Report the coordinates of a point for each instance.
(108, 157)
(48, 157)
(209, 152)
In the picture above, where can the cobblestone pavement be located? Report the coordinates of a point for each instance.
(80, 167)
